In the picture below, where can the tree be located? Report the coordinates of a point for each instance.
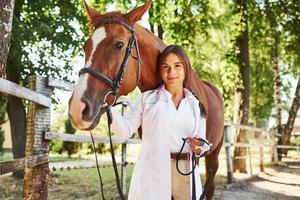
(6, 18)
(262, 99)
(271, 17)
(291, 27)
(282, 18)
(292, 115)
(44, 41)
(156, 19)
(70, 147)
(244, 66)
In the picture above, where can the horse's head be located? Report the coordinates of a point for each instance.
(111, 65)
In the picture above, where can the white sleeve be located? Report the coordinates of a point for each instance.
(125, 126)
(202, 128)
(202, 135)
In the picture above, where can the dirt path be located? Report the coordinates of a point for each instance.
(280, 182)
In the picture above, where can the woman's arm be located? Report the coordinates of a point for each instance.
(125, 126)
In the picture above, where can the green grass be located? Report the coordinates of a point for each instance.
(5, 158)
(73, 184)
(63, 159)
(51, 158)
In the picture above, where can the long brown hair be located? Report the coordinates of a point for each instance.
(179, 51)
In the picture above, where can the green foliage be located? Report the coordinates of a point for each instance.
(3, 101)
(102, 148)
(49, 32)
(56, 146)
(262, 90)
(70, 147)
(274, 16)
(289, 16)
(46, 36)
(185, 23)
(2, 138)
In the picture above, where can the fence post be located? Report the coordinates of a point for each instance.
(274, 155)
(228, 151)
(250, 160)
(38, 121)
(261, 151)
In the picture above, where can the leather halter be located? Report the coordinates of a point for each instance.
(117, 81)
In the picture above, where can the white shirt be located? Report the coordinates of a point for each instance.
(163, 129)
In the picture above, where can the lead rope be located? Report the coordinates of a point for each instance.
(188, 173)
(192, 172)
(97, 164)
(109, 121)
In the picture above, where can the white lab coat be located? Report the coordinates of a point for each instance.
(151, 178)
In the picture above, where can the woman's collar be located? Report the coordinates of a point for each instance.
(168, 96)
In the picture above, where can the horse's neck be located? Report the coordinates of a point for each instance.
(150, 47)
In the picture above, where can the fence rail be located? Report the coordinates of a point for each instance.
(10, 88)
(22, 163)
(83, 138)
(60, 84)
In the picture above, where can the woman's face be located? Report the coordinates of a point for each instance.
(172, 71)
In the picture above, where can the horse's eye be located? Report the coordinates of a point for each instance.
(119, 45)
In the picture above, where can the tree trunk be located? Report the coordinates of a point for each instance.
(292, 115)
(236, 111)
(6, 18)
(17, 117)
(239, 163)
(237, 106)
(15, 109)
(277, 86)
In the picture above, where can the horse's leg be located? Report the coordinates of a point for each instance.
(212, 165)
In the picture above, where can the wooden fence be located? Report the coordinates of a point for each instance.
(264, 139)
(38, 136)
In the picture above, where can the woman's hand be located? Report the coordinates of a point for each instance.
(195, 145)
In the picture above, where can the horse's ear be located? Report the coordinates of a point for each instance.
(92, 13)
(137, 13)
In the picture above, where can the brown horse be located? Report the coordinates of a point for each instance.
(105, 50)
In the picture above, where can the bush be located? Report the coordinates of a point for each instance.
(101, 148)
(2, 138)
(56, 146)
(70, 147)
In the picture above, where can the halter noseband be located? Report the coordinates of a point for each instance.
(116, 82)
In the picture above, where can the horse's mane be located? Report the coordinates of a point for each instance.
(111, 15)
(157, 39)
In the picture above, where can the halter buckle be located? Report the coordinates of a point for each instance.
(105, 98)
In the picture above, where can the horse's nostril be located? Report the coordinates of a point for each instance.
(87, 109)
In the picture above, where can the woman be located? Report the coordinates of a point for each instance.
(167, 114)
